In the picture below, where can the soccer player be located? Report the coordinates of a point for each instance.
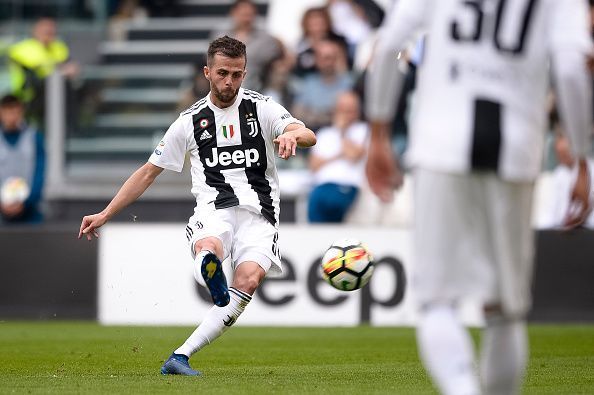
(230, 135)
(476, 149)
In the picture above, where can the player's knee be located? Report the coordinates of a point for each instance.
(209, 243)
(247, 282)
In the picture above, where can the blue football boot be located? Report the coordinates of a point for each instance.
(214, 277)
(178, 364)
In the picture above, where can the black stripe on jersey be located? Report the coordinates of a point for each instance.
(486, 141)
(206, 139)
(251, 137)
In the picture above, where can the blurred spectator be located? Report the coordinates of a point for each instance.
(315, 95)
(195, 89)
(316, 26)
(126, 11)
(262, 49)
(34, 59)
(276, 79)
(337, 162)
(563, 178)
(22, 165)
(349, 20)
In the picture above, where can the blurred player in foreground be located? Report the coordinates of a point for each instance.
(476, 146)
(230, 136)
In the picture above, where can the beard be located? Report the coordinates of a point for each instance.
(226, 95)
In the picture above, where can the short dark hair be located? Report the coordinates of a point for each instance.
(10, 101)
(237, 3)
(226, 46)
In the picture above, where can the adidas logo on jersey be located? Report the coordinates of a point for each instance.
(237, 157)
(205, 135)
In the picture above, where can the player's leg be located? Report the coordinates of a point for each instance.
(443, 252)
(446, 350)
(206, 240)
(254, 249)
(504, 353)
(504, 350)
(247, 277)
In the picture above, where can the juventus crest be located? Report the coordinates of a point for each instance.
(253, 124)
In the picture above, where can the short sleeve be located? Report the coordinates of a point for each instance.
(274, 118)
(170, 153)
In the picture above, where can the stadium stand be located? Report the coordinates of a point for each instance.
(124, 100)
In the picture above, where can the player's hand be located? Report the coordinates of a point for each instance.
(287, 145)
(383, 174)
(579, 204)
(90, 224)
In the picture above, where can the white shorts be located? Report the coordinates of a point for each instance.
(245, 235)
(473, 238)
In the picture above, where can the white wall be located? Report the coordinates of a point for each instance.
(145, 277)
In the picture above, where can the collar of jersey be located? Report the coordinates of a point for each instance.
(231, 107)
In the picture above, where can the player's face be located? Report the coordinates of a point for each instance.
(225, 76)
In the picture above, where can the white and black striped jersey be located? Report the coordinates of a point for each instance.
(482, 87)
(231, 150)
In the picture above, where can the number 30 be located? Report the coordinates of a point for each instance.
(476, 7)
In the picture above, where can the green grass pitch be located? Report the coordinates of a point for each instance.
(81, 357)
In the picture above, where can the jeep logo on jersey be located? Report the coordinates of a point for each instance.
(229, 158)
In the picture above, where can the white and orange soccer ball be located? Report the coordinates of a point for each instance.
(347, 265)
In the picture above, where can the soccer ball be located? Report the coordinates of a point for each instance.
(347, 265)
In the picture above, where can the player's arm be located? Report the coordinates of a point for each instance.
(570, 49)
(384, 81)
(383, 86)
(134, 186)
(294, 135)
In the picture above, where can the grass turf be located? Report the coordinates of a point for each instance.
(81, 357)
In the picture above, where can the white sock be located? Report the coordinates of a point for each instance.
(215, 323)
(503, 356)
(447, 352)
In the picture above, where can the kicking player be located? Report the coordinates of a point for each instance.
(476, 148)
(230, 136)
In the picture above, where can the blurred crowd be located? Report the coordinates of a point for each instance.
(320, 80)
